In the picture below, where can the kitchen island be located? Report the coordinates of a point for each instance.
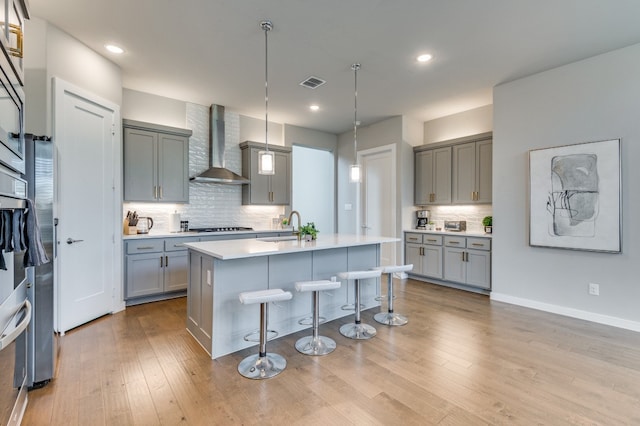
(220, 270)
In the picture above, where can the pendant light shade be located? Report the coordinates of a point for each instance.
(266, 158)
(354, 172)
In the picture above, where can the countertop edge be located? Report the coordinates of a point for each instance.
(452, 233)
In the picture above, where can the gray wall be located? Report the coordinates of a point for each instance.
(471, 122)
(591, 100)
(150, 108)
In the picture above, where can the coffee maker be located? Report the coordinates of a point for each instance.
(422, 219)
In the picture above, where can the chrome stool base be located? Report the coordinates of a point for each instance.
(262, 367)
(358, 331)
(316, 346)
(389, 318)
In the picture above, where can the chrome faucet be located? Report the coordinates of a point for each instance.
(291, 224)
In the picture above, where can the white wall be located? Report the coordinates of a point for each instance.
(591, 100)
(472, 122)
(151, 108)
(252, 129)
(50, 52)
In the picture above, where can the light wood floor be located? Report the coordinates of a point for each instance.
(461, 360)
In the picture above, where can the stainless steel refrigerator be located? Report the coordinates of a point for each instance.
(41, 356)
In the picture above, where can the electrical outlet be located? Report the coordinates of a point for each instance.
(594, 289)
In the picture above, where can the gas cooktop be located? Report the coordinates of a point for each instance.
(221, 229)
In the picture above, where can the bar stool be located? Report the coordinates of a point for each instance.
(315, 344)
(358, 330)
(263, 365)
(389, 317)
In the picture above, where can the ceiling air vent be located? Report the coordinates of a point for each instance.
(312, 82)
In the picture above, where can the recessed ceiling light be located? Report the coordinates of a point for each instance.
(424, 58)
(114, 49)
(314, 107)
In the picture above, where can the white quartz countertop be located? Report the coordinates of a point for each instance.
(167, 234)
(237, 249)
(457, 234)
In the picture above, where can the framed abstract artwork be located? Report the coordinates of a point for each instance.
(574, 197)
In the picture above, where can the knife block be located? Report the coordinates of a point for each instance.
(128, 230)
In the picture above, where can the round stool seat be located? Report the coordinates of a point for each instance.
(263, 365)
(264, 296)
(357, 275)
(392, 269)
(320, 285)
(390, 317)
(316, 344)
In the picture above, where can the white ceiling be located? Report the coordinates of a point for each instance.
(212, 51)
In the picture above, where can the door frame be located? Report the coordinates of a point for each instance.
(59, 88)
(360, 192)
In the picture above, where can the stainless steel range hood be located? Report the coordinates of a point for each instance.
(217, 173)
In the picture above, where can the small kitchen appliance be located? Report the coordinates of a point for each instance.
(455, 225)
(422, 219)
(144, 225)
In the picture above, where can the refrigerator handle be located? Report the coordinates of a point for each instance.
(55, 237)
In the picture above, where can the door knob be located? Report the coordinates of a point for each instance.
(71, 241)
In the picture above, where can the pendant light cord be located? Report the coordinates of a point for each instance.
(266, 26)
(355, 67)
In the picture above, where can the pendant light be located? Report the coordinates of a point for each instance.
(354, 171)
(266, 158)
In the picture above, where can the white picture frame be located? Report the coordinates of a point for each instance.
(574, 197)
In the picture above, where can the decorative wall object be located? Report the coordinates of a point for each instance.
(575, 196)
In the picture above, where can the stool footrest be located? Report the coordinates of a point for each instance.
(254, 336)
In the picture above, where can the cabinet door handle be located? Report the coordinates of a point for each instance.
(155, 192)
(161, 260)
(453, 242)
(144, 248)
(477, 244)
(166, 261)
(16, 51)
(431, 240)
(160, 192)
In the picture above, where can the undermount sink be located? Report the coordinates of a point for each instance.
(278, 239)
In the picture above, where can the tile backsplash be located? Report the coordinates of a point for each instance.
(473, 214)
(210, 204)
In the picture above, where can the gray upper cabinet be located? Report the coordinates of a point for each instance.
(433, 176)
(266, 189)
(472, 170)
(156, 163)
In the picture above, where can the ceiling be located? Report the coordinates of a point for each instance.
(213, 51)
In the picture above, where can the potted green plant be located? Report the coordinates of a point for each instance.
(309, 231)
(487, 222)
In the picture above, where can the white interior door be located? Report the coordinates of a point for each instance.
(378, 205)
(84, 136)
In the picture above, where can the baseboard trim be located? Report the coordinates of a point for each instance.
(568, 312)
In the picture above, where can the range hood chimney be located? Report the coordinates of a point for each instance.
(217, 173)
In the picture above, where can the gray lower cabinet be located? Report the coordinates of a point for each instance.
(447, 259)
(156, 163)
(467, 261)
(424, 251)
(155, 267)
(266, 189)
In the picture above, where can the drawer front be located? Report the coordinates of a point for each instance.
(454, 241)
(176, 244)
(479, 243)
(413, 238)
(145, 246)
(434, 240)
